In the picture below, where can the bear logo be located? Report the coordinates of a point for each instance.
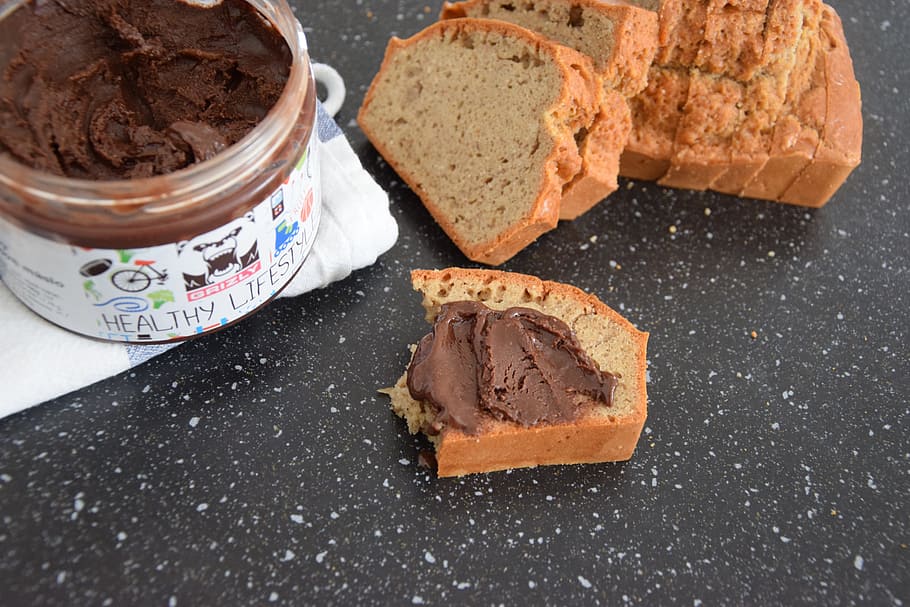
(219, 254)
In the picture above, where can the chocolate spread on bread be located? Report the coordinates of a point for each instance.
(518, 364)
(111, 89)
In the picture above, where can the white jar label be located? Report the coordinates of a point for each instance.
(172, 291)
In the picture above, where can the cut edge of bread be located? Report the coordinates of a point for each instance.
(601, 434)
(573, 111)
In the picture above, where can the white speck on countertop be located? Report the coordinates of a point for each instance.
(288, 556)
(428, 557)
(296, 518)
(321, 556)
(194, 421)
(858, 563)
(202, 507)
(584, 582)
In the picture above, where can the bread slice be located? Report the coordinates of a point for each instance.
(734, 38)
(480, 118)
(600, 149)
(621, 40)
(701, 150)
(656, 114)
(840, 144)
(602, 433)
(794, 138)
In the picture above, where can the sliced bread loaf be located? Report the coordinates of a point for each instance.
(481, 117)
(601, 433)
(756, 111)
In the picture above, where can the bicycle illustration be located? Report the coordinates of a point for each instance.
(136, 280)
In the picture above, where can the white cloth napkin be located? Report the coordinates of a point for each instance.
(39, 361)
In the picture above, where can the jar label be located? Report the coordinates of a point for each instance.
(171, 291)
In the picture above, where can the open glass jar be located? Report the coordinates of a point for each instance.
(169, 257)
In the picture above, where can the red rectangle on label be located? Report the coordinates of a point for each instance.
(227, 283)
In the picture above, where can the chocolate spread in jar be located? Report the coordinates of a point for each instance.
(518, 364)
(114, 89)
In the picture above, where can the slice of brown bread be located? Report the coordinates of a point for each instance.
(480, 118)
(733, 39)
(701, 149)
(602, 434)
(621, 40)
(794, 138)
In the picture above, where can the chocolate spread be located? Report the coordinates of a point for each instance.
(114, 89)
(518, 364)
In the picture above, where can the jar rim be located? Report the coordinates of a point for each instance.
(183, 187)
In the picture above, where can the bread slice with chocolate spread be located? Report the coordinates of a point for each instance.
(599, 433)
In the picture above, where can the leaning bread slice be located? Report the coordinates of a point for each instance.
(480, 118)
(599, 434)
(620, 38)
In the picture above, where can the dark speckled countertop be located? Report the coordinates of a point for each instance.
(260, 466)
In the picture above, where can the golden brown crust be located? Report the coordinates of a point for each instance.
(600, 150)
(840, 145)
(656, 113)
(605, 434)
(777, 118)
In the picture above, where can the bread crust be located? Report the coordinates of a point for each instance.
(574, 108)
(624, 71)
(656, 115)
(600, 150)
(601, 435)
(839, 149)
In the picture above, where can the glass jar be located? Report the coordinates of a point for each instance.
(169, 257)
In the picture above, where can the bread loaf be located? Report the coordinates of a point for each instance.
(756, 110)
(481, 118)
(600, 434)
